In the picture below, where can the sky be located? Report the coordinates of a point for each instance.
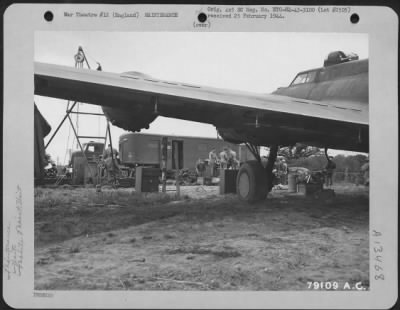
(250, 61)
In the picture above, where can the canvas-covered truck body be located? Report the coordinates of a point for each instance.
(139, 149)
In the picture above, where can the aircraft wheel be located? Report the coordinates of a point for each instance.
(251, 182)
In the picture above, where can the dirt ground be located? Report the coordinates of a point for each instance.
(120, 240)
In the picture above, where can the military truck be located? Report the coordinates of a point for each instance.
(83, 172)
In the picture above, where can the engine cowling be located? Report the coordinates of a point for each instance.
(138, 115)
(133, 119)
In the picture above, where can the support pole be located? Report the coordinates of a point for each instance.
(254, 150)
(59, 126)
(273, 153)
(326, 154)
(164, 155)
(112, 150)
(178, 185)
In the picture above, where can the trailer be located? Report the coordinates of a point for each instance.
(142, 149)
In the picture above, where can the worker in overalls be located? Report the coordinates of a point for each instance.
(110, 158)
(224, 158)
(234, 163)
(200, 167)
(283, 171)
(329, 168)
(213, 161)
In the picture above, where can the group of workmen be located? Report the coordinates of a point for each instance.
(227, 159)
(281, 171)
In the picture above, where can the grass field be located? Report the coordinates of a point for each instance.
(120, 240)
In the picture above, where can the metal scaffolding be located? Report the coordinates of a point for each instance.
(80, 60)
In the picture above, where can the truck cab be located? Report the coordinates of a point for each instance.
(92, 150)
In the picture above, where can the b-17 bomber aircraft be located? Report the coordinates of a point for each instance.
(324, 107)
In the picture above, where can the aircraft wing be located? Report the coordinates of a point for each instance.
(132, 101)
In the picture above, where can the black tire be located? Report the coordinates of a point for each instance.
(251, 182)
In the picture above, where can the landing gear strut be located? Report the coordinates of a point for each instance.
(253, 181)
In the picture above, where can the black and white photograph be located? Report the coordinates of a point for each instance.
(200, 156)
(271, 194)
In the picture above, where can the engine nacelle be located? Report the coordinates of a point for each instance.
(133, 119)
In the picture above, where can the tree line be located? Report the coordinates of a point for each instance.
(351, 163)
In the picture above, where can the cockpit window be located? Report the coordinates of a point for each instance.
(306, 77)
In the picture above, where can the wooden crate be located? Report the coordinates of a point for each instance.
(147, 179)
(309, 188)
(227, 182)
